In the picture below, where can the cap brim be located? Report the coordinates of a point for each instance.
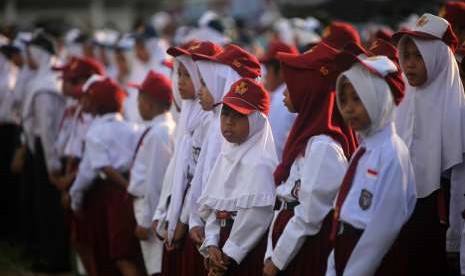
(135, 85)
(176, 51)
(59, 68)
(397, 36)
(238, 106)
(196, 57)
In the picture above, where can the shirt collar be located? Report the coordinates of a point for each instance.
(377, 138)
(109, 117)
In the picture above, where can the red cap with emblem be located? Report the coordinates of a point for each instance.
(106, 95)
(430, 26)
(80, 67)
(381, 47)
(247, 96)
(274, 48)
(156, 85)
(195, 47)
(454, 12)
(338, 34)
(244, 63)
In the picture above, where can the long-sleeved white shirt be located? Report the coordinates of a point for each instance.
(80, 126)
(320, 172)
(248, 229)
(110, 141)
(380, 201)
(150, 164)
(280, 118)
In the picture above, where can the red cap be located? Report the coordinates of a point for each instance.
(247, 96)
(81, 67)
(385, 34)
(378, 65)
(338, 34)
(454, 12)
(195, 47)
(381, 47)
(274, 48)
(429, 26)
(107, 95)
(244, 63)
(156, 85)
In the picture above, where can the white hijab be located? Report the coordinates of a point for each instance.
(218, 78)
(192, 115)
(42, 79)
(430, 119)
(375, 94)
(243, 173)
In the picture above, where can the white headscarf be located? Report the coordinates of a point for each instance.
(431, 119)
(191, 116)
(42, 79)
(218, 78)
(243, 173)
(8, 77)
(375, 94)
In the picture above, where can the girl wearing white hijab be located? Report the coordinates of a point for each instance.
(379, 185)
(237, 201)
(431, 122)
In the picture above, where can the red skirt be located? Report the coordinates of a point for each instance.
(252, 264)
(192, 260)
(393, 263)
(313, 255)
(172, 261)
(107, 227)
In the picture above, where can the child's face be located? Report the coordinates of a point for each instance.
(412, 64)
(273, 77)
(86, 104)
(205, 97)
(352, 109)
(287, 101)
(144, 106)
(234, 125)
(185, 85)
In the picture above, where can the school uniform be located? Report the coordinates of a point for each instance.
(237, 202)
(430, 121)
(379, 185)
(151, 159)
(314, 162)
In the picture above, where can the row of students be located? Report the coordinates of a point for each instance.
(221, 162)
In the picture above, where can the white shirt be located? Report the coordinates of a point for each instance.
(66, 126)
(7, 96)
(47, 110)
(81, 124)
(110, 141)
(320, 174)
(150, 164)
(280, 118)
(380, 201)
(249, 227)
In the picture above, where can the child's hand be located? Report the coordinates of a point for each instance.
(65, 200)
(197, 234)
(269, 269)
(19, 158)
(142, 233)
(217, 262)
(180, 231)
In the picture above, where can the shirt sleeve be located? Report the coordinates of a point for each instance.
(323, 170)
(157, 164)
(457, 205)
(84, 178)
(195, 220)
(331, 266)
(212, 233)
(48, 111)
(249, 227)
(395, 202)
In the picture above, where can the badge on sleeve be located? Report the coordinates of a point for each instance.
(365, 199)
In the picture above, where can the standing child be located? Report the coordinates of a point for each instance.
(378, 186)
(314, 163)
(237, 202)
(151, 159)
(430, 120)
(99, 191)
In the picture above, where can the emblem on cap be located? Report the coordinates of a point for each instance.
(241, 88)
(236, 63)
(422, 21)
(324, 71)
(365, 199)
(74, 64)
(326, 31)
(194, 46)
(374, 45)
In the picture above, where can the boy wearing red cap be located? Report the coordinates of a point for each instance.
(338, 34)
(237, 201)
(99, 191)
(280, 119)
(314, 162)
(379, 185)
(151, 159)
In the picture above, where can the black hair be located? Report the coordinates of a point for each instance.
(9, 51)
(274, 64)
(44, 41)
